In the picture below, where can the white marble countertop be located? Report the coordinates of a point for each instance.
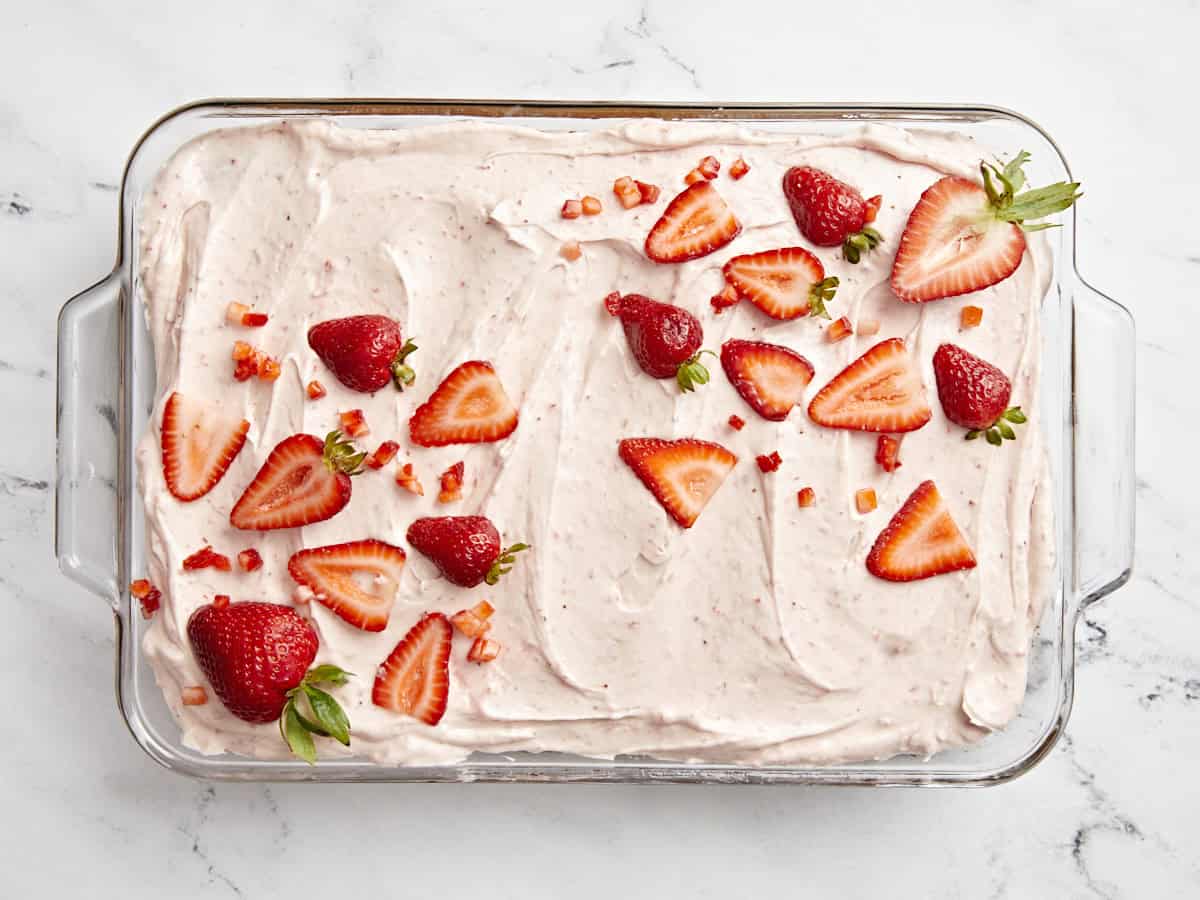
(1111, 813)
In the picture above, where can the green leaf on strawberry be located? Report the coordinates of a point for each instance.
(504, 562)
(692, 372)
(325, 717)
(1002, 186)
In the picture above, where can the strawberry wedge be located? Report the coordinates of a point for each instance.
(881, 391)
(356, 580)
(785, 284)
(694, 224)
(921, 541)
(683, 475)
(198, 444)
(415, 678)
(468, 407)
(771, 378)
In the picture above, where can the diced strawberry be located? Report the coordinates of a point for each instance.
(694, 177)
(591, 206)
(415, 678)
(871, 208)
(193, 695)
(207, 558)
(806, 497)
(452, 482)
(354, 423)
(269, 369)
(221, 601)
(864, 500)
(199, 442)
(785, 284)
(694, 224)
(921, 540)
(474, 622)
(383, 455)
(140, 588)
(468, 407)
(709, 167)
(736, 422)
(315, 390)
(971, 316)
(627, 191)
(769, 462)
(727, 298)
(357, 580)
(572, 209)
(242, 351)
(769, 377)
(738, 169)
(483, 650)
(235, 312)
(303, 480)
(887, 453)
(147, 595)
(881, 391)
(254, 319)
(245, 369)
(570, 251)
(649, 192)
(839, 330)
(868, 327)
(249, 560)
(683, 474)
(409, 481)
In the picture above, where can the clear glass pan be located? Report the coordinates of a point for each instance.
(106, 385)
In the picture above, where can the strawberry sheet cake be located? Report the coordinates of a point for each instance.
(669, 439)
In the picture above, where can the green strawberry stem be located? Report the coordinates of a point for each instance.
(403, 374)
(1000, 431)
(342, 456)
(325, 716)
(819, 294)
(692, 372)
(859, 243)
(1007, 205)
(504, 562)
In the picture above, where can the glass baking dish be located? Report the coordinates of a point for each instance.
(106, 390)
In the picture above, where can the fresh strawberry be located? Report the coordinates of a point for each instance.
(880, 391)
(769, 377)
(975, 394)
(363, 352)
(922, 540)
(468, 407)
(683, 475)
(303, 481)
(695, 223)
(785, 284)
(664, 339)
(465, 548)
(357, 580)
(415, 678)
(207, 558)
(198, 444)
(963, 237)
(829, 212)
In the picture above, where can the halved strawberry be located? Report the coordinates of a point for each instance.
(468, 407)
(357, 580)
(683, 475)
(880, 391)
(415, 678)
(769, 377)
(922, 540)
(694, 224)
(303, 481)
(785, 284)
(963, 236)
(198, 444)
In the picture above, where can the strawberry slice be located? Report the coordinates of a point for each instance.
(303, 481)
(683, 475)
(694, 224)
(921, 541)
(415, 678)
(785, 284)
(198, 444)
(357, 580)
(468, 407)
(963, 236)
(769, 377)
(880, 391)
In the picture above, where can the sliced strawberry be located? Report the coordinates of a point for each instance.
(880, 391)
(769, 377)
(415, 678)
(785, 284)
(303, 481)
(468, 407)
(198, 444)
(683, 475)
(357, 580)
(694, 224)
(922, 540)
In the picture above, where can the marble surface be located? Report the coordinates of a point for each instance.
(1111, 813)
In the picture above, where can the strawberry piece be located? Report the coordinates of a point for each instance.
(591, 206)
(483, 650)
(452, 482)
(198, 444)
(249, 560)
(887, 453)
(868, 327)
(709, 167)
(220, 601)
(921, 540)
(245, 369)
(147, 595)
(872, 208)
(727, 298)
(768, 463)
(962, 236)
(254, 319)
(975, 394)
(383, 455)
(474, 622)
(694, 224)
(207, 558)
(572, 209)
(880, 391)
(354, 423)
(268, 368)
(664, 339)
(140, 588)
(839, 330)
(193, 695)
(415, 678)
(302, 481)
(357, 580)
(865, 500)
(235, 312)
(806, 497)
(738, 168)
(627, 191)
(683, 474)
(315, 390)
(570, 251)
(694, 177)
(409, 481)
(737, 423)
(970, 317)
(364, 352)
(649, 192)
(466, 549)
(770, 378)
(468, 407)
(243, 352)
(829, 212)
(785, 284)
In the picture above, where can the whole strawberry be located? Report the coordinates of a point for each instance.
(465, 548)
(363, 352)
(665, 339)
(975, 394)
(830, 212)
